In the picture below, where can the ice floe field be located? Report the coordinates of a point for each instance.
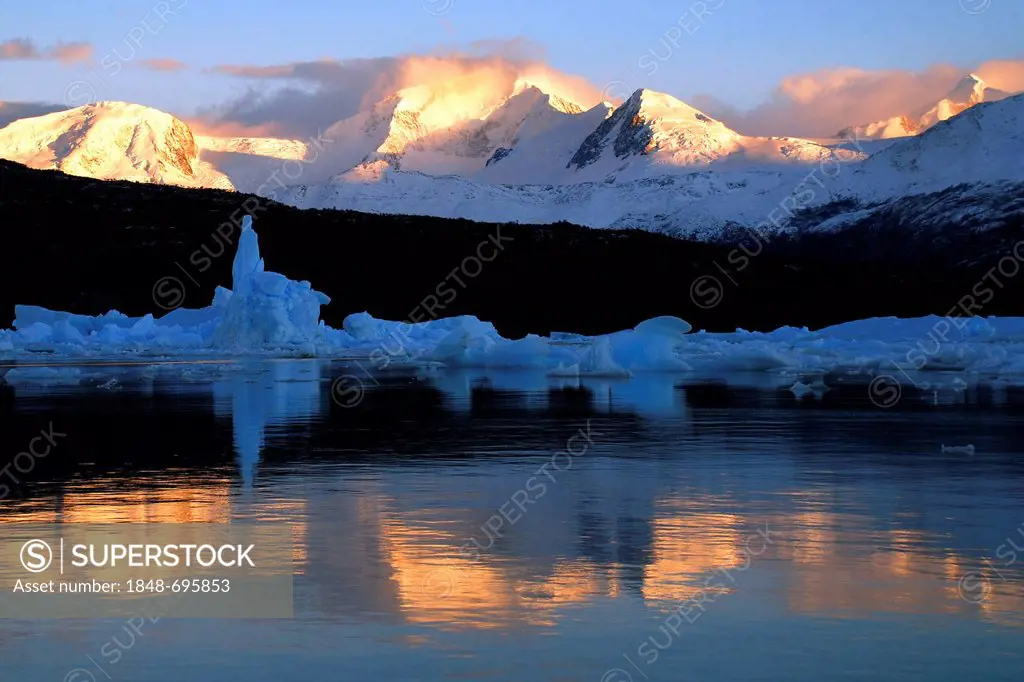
(267, 314)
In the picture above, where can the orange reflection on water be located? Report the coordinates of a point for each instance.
(1004, 603)
(842, 567)
(207, 504)
(687, 547)
(439, 585)
(96, 503)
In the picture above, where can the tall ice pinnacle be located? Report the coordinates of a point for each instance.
(247, 259)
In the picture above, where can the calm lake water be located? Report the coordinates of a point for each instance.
(666, 528)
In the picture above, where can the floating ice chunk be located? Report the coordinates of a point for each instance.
(65, 332)
(35, 332)
(651, 345)
(221, 296)
(247, 259)
(268, 312)
(191, 317)
(271, 283)
(364, 327)
(142, 329)
(31, 315)
(567, 337)
(977, 328)
(666, 324)
(597, 361)
(266, 309)
(561, 370)
(460, 348)
(528, 352)
(958, 449)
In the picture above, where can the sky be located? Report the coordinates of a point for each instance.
(733, 57)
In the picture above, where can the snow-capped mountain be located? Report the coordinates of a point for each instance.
(442, 132)
(250, 161)
(984, 144)
(460, 129)
(981, 147)
(652, 133)
(467, 150)
(969, 91)
(112, 141)
(529, 136)
(533, 137)
(274, 148)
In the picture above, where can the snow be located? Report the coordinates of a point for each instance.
(969, 91)
(981, 147)
(984, 144)
(267, 314)
(525, 152)
(111, 141)
(251, 162)
(656, 163)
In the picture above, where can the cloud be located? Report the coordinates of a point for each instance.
(297, 99)
(12, 111)
(163, 64)
(248, 71)
(313, 95)
(214, 128)
(69, 53)
(25, 49)
(301, 98)
(1003, 74)
(18, 48)
(820, 103)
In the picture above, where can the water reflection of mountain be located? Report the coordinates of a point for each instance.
(872, 518)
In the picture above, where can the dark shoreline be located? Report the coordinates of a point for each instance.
(89, 246)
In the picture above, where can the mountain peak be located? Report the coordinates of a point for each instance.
(653, 105)
(969, 91)
(109, 139)
(650, 121)
(555, 101)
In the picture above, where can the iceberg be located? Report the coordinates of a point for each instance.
(266, 313)
(266, 309)
(263, 311)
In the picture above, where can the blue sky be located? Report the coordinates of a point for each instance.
(738, 53)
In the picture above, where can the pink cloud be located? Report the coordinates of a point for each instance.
(1003, 74)
(163, 64)
(25, 49)
(820, 103)
(18, 48)
(301, 98)
(69, 53)
(214, 128)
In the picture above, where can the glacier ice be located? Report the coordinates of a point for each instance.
(266, 309)
(263, 311)
(266, 313)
